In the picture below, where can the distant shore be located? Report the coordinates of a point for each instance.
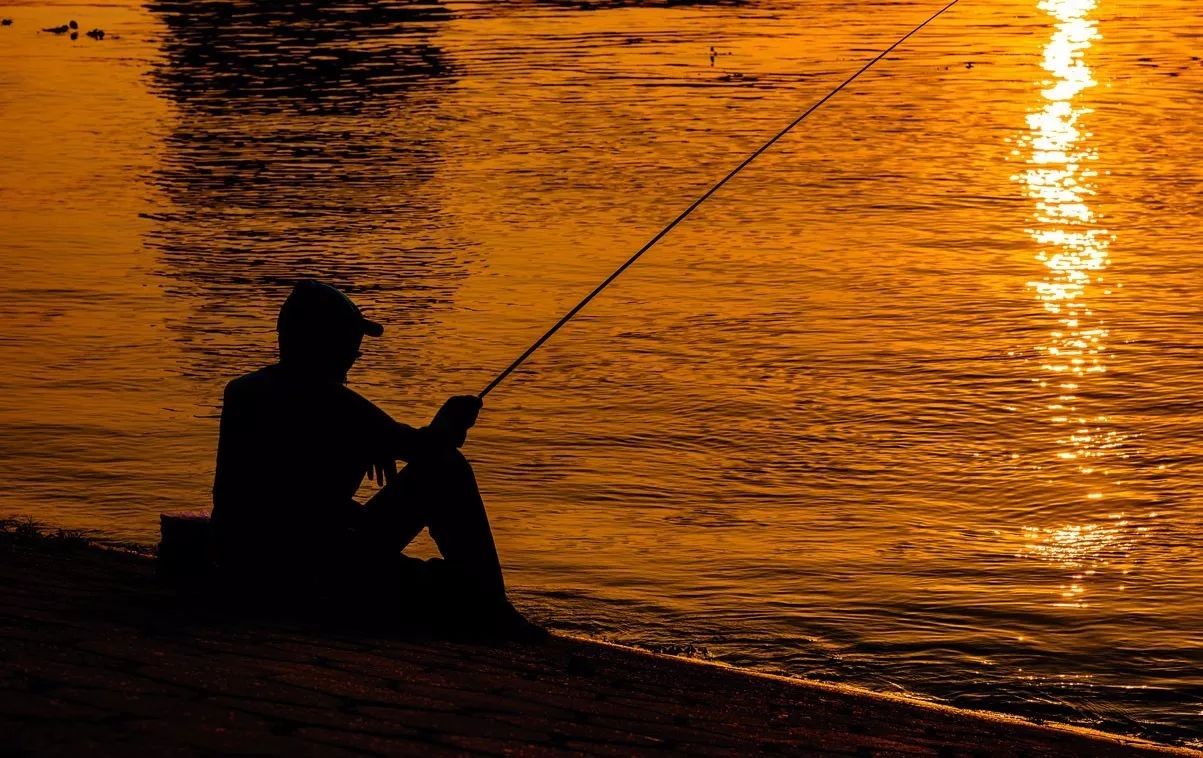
(96, 657)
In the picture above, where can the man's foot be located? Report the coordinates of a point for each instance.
(507, 623)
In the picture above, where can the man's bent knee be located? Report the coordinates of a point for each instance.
(444, 460)
(445, 468)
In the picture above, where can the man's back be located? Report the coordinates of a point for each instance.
(290, 457)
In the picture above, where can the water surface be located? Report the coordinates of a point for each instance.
(913, 403)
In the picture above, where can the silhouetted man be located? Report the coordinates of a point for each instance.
(295, 444)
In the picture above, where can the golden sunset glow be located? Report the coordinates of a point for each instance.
(911, 402)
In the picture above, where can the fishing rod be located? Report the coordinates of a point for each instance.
(701, 199)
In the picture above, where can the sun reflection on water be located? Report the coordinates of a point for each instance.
(1073, 249)
(1084, 550)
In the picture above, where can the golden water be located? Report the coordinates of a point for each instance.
(912, 403)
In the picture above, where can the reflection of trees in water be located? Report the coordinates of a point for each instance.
(600, 5)
(320, 56)
(304, 141)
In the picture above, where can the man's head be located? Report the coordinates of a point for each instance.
(320, 330)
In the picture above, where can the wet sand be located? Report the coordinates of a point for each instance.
(96, 657)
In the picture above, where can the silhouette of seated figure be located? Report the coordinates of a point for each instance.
(296, 442)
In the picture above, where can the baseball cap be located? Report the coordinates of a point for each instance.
(316, 307)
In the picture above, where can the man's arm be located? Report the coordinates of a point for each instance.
(449, 429)
(391, 440)
(407, 443)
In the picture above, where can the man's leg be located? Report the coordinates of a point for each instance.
(441, 494)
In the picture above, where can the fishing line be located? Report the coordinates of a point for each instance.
(685, 213)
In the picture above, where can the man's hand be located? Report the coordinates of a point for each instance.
(455, 418)
(382, 471)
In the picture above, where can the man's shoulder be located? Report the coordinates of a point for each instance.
(270, 382)
(358, 401)
(251, 382)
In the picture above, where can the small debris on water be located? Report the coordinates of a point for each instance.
(714, 54)
(71, 26)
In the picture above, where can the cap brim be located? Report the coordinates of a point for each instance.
(372, 329)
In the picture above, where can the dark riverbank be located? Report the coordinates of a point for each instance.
(95, 657)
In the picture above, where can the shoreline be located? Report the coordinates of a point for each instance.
(95, 655)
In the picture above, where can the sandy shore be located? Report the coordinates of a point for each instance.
(96, 658)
